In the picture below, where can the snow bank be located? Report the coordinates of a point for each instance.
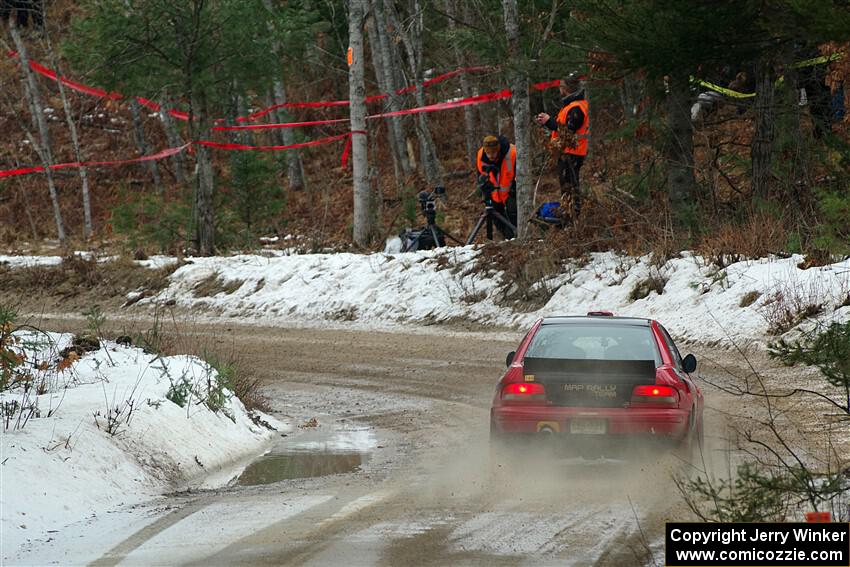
(106, 435)
(699, 302)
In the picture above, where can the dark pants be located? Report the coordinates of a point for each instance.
(568, 168)
(507, 210)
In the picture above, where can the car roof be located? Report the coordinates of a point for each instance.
(597, 320)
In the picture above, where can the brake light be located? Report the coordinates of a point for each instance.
(600, 314)
(652, 394)
(524, 392)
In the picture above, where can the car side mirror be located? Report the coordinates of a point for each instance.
(689, 363)
(510, 358)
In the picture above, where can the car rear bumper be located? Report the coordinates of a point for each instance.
(670, 423)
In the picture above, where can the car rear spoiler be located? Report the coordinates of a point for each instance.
(583, 371)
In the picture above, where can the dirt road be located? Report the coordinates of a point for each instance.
(413, 407)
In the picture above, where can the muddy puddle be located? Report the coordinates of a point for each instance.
(317, 451)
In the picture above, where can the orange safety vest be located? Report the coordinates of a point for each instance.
(502, 184)
(582, 134)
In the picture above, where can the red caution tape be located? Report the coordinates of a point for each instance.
(373, 98)
(279, 126)
(546, 85)
(172, 151)
(151, 105)
(159, 155)
(346, 151)
(245, 147)
(479, 99)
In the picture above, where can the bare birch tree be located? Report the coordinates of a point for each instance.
(388, 57)
(75, 139)
(378, 65)
(522, 117)
(357, 108)
(43, 147)
(294, 165)
(412, 40)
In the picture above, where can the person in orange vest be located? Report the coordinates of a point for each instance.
(573, 121)
(496, 165)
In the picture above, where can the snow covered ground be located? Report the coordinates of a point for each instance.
(108, 434)
(699, 302)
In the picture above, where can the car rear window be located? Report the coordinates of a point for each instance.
(597, 342)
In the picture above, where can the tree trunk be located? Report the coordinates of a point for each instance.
(27, 207)
(75, 139)
(681, 185)
(294, 165)
(471, 132)
(761, 151)
(204, 206)
(378, 65)
(388, 57)
(631, 93)
(142, 144)
(522, 118)
(172, 134)
(413, 45)
(43, 148)
(357, 109)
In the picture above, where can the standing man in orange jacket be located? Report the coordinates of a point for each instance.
(496, 165)
(574, 123)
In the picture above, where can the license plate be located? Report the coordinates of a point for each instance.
(588, 426)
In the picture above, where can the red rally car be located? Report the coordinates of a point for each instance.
(596, 380)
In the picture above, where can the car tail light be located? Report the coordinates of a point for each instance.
(524, 392)
(657, 395)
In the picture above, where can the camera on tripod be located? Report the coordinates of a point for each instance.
(431, 235)
(428, 203)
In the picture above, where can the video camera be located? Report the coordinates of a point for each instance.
(430, 236)
(490, 168)
(428, 202)
(486, 188)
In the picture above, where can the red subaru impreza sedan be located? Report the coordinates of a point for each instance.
(593, 381)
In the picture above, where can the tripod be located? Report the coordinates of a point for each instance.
(489, 216)
(431, 231)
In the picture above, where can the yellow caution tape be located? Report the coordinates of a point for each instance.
(721, 90)
(799, 65)
(816, 61)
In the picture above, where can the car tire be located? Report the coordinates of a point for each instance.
(691, 446)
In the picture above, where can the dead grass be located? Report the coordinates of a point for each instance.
(785, 309)
(757, 237)
(214, 284)
(78, 282)
(655, 281)
(526, 271)
(749, 298)
(171, 339)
